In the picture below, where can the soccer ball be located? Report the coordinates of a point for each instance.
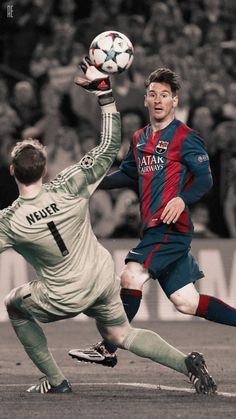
(111, 52)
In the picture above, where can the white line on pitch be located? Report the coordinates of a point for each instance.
(169, 388)
(135, 385)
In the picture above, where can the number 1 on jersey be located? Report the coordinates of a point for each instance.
(58, 239)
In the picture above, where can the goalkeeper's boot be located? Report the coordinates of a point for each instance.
(45, 387)
(199, 375)
(96, 354)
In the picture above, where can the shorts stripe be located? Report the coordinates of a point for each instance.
(149, 258)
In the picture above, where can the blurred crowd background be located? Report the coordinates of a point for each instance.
(40, 48)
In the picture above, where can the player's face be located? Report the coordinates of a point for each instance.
(160, 102)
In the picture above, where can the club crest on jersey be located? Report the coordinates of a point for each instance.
(86, 162)
(161, 146)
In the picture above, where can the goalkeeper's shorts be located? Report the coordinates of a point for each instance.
(30, 300)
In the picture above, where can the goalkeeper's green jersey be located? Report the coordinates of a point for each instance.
(52, 231)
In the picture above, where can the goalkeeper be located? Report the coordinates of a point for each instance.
(49, 226)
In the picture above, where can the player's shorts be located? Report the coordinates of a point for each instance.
(108, 309)
(30, 300)
(166, 255)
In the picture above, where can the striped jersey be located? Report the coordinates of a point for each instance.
(52, 231)
(165, 164)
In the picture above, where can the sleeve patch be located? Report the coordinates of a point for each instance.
(86, 162)
(203, 157)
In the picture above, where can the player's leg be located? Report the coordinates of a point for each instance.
(187, 300)
(137, 269)
(216, 310)
(113, 325)
(152, 254)
(20, 308)
(147, 344)
(133, 278)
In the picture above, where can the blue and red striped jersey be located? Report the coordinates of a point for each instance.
(165, 164)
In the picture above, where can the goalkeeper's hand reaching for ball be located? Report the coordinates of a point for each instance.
(96, 82)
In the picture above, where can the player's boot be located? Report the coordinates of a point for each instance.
(96, 354)
(199, 375)
(45, 387)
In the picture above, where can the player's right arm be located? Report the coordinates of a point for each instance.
(5, 240)
(125, 177)
(117, 179)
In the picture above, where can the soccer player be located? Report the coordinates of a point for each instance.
(49, 226)
(169, 161)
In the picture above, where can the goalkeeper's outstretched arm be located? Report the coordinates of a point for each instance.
(96, 163)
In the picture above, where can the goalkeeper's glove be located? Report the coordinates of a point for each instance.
(96, 82)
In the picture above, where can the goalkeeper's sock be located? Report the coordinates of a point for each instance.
(213, 309)
(148, 344)
(131, 301)
(34, 341)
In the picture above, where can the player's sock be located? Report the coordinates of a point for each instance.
(34, 341)
(213, 309)
(148, 344)
(131, 301)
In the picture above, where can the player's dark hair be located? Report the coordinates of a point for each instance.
(29, 160)
(164, 75)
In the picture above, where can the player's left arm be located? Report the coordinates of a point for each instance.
(125, 177)
(195, 157)
(83, 178)
(96, 163)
